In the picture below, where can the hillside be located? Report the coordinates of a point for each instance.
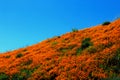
(88, 54)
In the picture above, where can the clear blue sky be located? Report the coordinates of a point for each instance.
(26, 22)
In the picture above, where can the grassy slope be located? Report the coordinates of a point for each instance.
(62, 57)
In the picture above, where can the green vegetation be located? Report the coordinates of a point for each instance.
(79, 50)
(54, 43)
(106, 23)
(91, 49)
(112, 64)
(103, 46)
(19, 55)
(4, 76)
(112, 77)
(23, 75)
(8, 56)
(74, 30)
(17, 77)
(63, 50)
(86, 43)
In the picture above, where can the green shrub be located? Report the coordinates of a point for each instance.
(86, 43)
(19, 55)
(24, 74)
(3, 76)
(54, 43)
(91, 49)
(8, 56)
(79, 50)
(106, 23)
(74, 30)
(27, 72)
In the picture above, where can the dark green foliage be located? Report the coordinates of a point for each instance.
(91, 49)
(86, 43)
(23, 75)
(74, 30)
(26, 72)
(8, 56)
(79, 50)
(112, 77)
(18, 77)
(4, 76)
(106, 23)
(54, 43)
(112, 64)
(19, 55)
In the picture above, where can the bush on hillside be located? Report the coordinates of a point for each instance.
(86, 43)
(106, 23)
(8, 56)
(91, 49)
(74, 30)
(54, 43)
(19, 55)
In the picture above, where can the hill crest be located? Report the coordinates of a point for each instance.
(91, 53)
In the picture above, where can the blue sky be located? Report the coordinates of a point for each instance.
(26, 22)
